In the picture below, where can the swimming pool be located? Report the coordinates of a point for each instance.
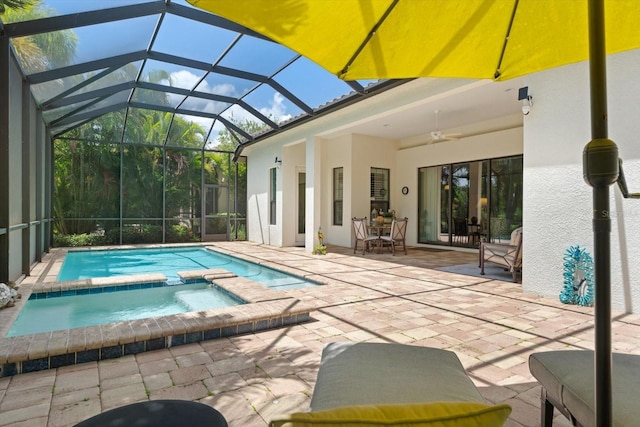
(43, 313)
(96, 305)
(169, 261)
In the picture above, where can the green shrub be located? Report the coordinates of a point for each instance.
(320, 249)
(73, 240)
(136, 234)
(242, 232)
(180, 234)
(130, 235)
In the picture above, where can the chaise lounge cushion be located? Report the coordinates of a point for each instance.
(568, 378)
(435, 414)
(354, 374)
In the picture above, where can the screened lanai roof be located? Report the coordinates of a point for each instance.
(120, 60)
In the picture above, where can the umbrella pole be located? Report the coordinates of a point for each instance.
(600, 170)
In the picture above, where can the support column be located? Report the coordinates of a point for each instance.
(27, 177)
(313, 196)
(4, 159)
(49, 188)
(39, 186)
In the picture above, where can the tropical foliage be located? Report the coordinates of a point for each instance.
(155, 174)
(133, 175)
(94, 182)
(5, 5)
(41, 51)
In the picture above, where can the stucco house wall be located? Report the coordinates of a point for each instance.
(337, 153)
(371, 153)
(557, 202)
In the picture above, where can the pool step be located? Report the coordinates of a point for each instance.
(207, 274)
(203, 299)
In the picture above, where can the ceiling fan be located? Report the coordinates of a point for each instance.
(438, 136)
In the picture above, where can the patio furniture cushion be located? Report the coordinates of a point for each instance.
(567, 377)
(379, 373)
(440, 414)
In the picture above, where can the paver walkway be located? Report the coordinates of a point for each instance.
(491, 325)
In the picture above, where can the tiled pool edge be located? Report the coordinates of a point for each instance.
(267, 309)
(29, 353)
(121, 283)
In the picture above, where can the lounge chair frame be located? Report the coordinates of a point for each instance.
(508, 255)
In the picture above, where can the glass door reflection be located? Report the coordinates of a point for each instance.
(463, 204)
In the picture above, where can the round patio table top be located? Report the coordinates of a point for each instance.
(158, 413)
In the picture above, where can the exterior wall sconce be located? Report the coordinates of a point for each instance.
(527, 100)
(278, 162)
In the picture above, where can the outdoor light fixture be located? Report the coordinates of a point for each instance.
(278, 162)
(527, 100)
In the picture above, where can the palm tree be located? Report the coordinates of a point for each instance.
(41, 51)
(86, 185)
(15, 4)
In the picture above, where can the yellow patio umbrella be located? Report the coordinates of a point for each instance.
(484, 39)
(376, 39)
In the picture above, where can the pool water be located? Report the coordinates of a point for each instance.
(53, 311)
(169, 261)
(65, 312)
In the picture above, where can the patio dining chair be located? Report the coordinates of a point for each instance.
(460, 233)
(362, 235)
(474, 231)
(397, 235)
(508, 255)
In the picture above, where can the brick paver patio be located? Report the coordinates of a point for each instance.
(491, 325)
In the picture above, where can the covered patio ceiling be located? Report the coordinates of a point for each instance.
(167, 56)
(465, 108)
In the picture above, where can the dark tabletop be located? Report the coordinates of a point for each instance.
(159, 413)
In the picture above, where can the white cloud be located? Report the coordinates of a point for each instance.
(225, 89)
(275, 110)
(184, 79)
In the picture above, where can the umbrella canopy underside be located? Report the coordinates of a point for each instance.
(498, 40)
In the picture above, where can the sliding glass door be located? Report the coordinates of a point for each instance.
(505, 202)
(459, 202)
(463, 204)
(429, 205)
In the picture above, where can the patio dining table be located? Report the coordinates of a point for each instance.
(378, 230)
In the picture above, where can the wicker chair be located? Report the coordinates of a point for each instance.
(508, 255)
(362, 235)
(397, 235)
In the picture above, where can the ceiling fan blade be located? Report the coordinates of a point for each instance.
(453, 136)
(438, 136)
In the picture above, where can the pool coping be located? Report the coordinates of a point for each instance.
(265, 309)
(134, 281)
